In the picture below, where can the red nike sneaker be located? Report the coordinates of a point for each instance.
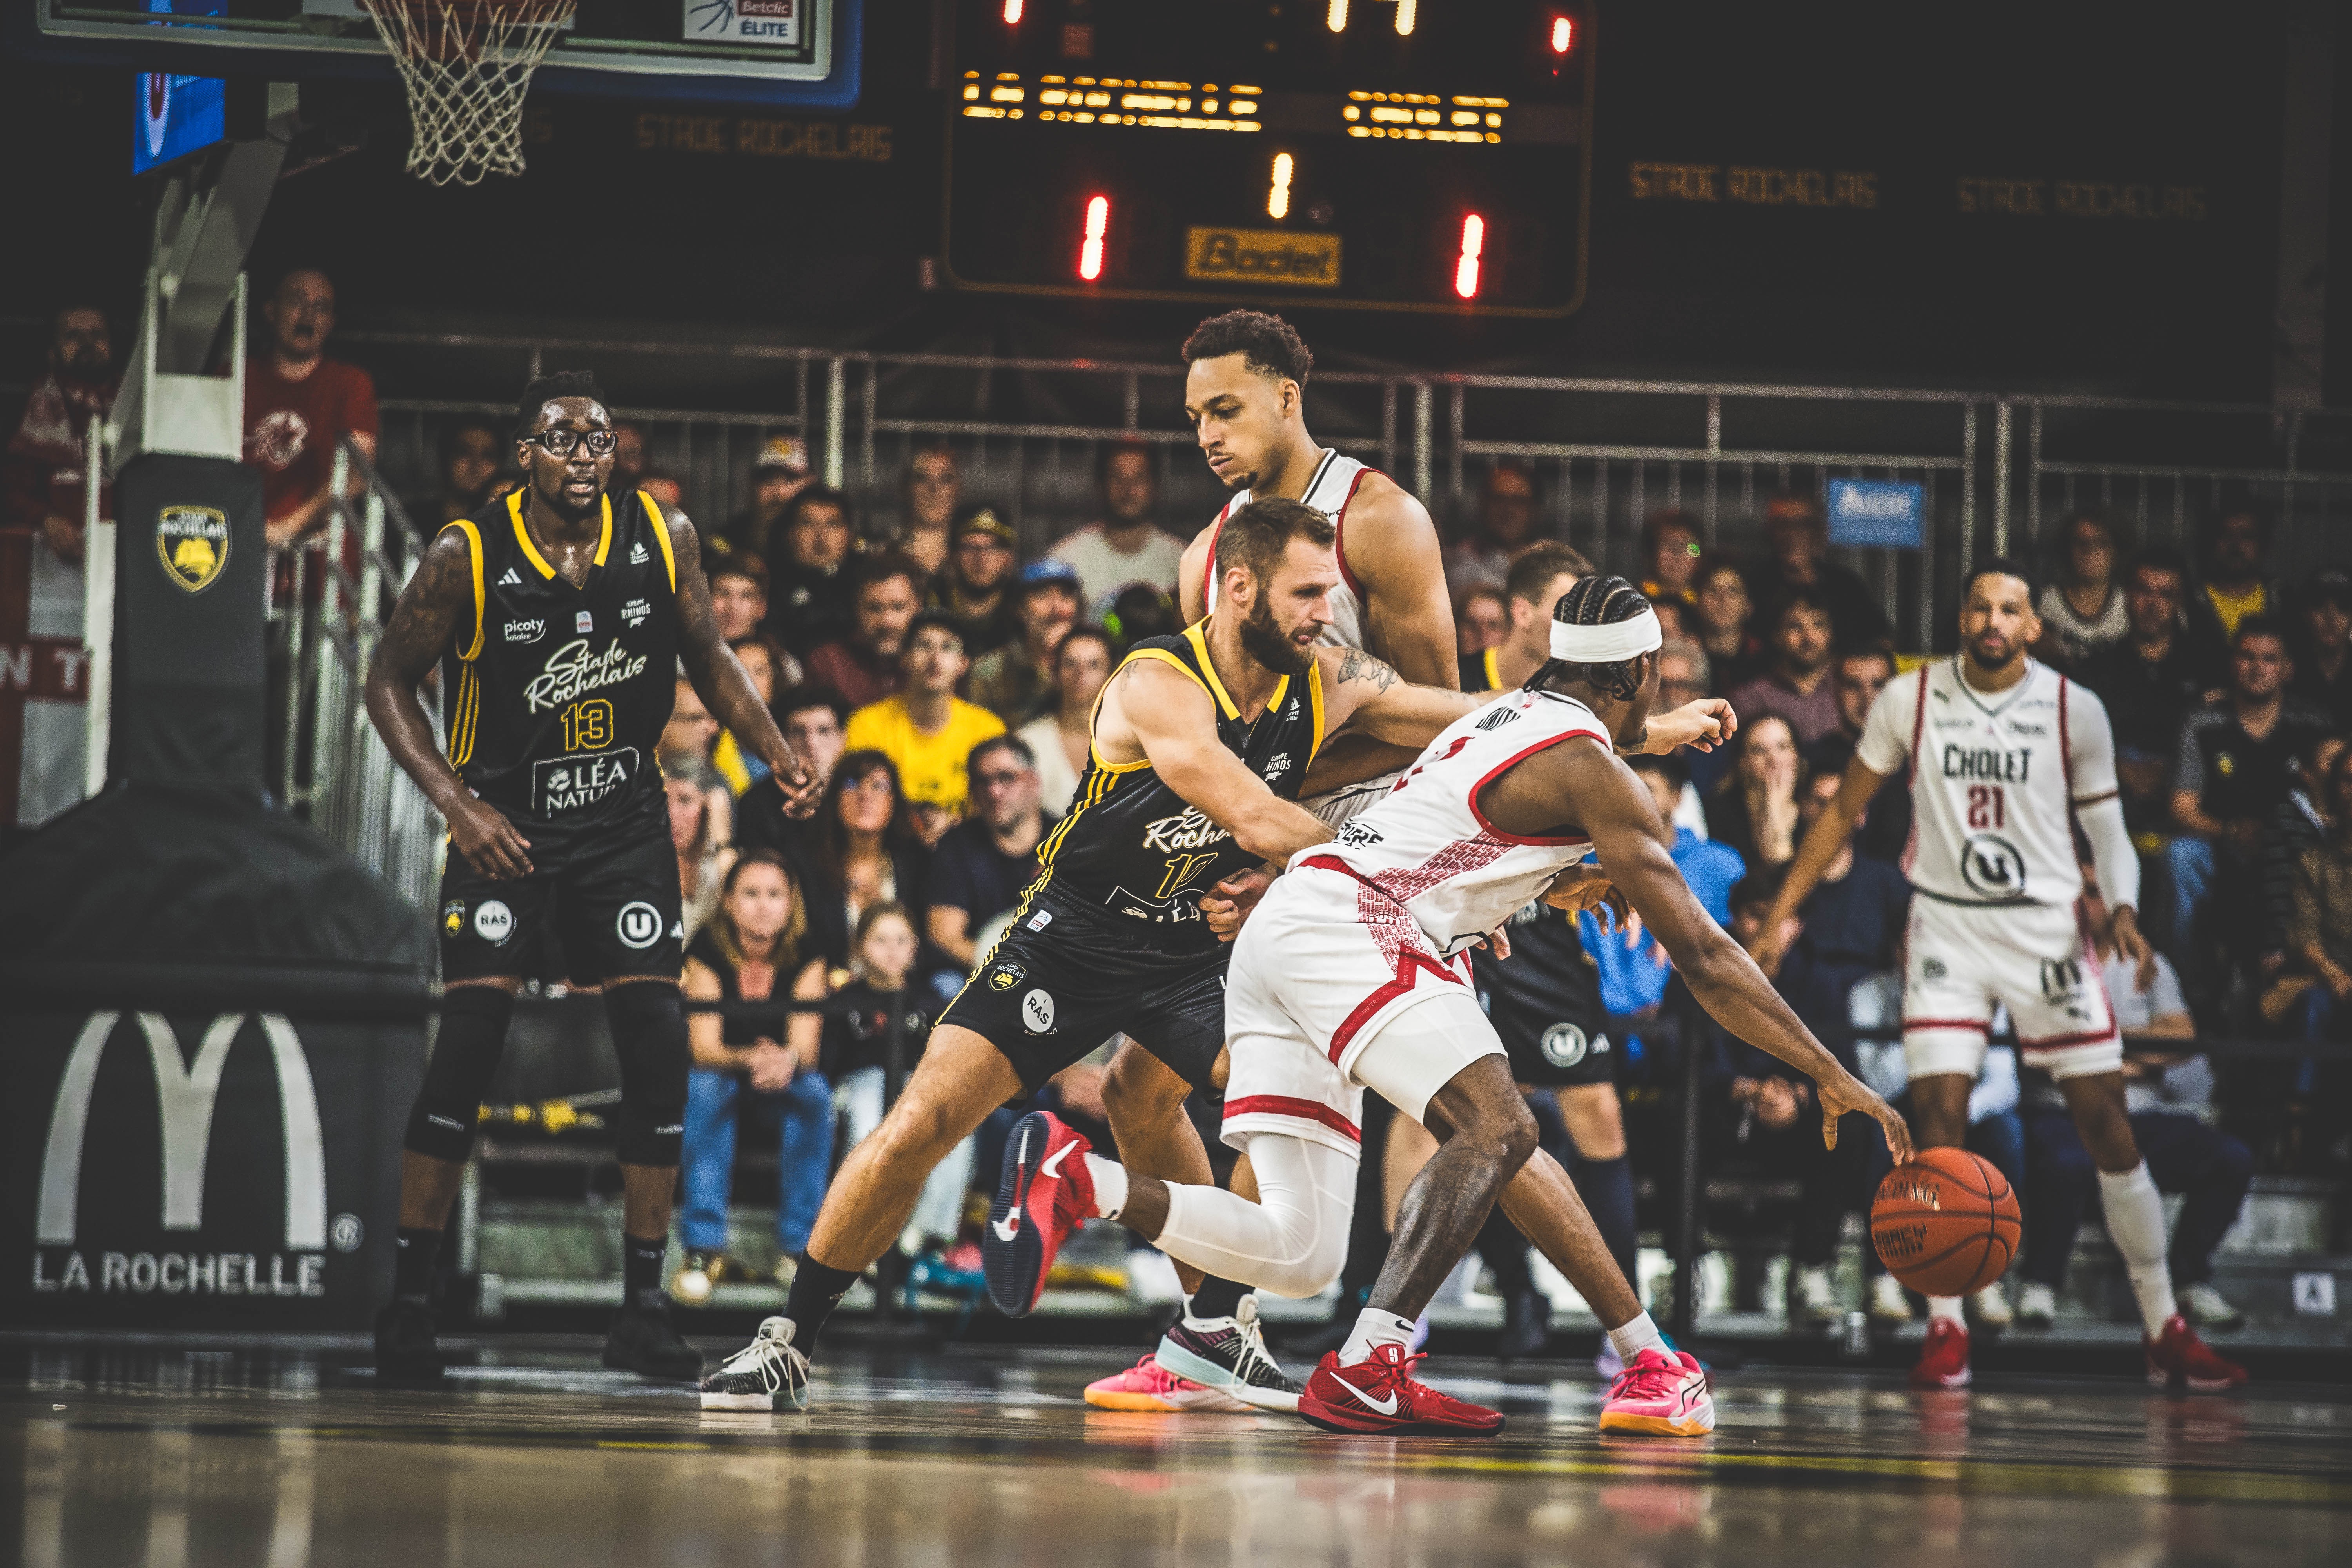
(1943, 1359)
(2178, 1356)
(1380, 1395)
(1045, 1192)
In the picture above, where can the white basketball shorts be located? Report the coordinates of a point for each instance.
(1334, 990)
(1961, 959)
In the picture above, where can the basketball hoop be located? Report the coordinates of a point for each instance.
(465, 66)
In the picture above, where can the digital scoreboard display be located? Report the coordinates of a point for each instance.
(1370, 154)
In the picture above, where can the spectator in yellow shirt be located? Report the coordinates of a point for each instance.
(925, 730)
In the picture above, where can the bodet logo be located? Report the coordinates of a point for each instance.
(185, 1095)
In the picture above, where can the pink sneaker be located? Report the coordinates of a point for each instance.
(1660, 1392)
(1148, 1385)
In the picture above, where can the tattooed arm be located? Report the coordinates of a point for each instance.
(1361, 695)
(721, 681)
(436, 610)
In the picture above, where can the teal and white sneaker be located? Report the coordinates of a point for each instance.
(1230, 1356)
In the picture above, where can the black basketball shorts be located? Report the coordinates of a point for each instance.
(1064, 979)
(609, 896)
(1550, 1051)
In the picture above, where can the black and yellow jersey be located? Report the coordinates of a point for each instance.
(552, 697)
(1549, 973)
(1480, 672)
(1135, 849)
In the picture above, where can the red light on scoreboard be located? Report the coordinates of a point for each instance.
(1090, 253)
(1474, 244)
(1563, 28)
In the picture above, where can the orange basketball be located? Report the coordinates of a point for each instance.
(1946, 1224)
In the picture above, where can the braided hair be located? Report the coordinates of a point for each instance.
(1597, 602)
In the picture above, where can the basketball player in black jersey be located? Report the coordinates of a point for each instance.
(559, 618)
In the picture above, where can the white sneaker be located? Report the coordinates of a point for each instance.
(769, 1374)
(1812, 1296)
(2207, 1308)
(1989, 1308)
(1888, 1304)
(2037, 1306)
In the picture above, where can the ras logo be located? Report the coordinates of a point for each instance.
(1037, 1013)
(493, 921)
(184, 1097)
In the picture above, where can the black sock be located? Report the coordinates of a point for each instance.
(640, 1271)
(1215, 1298)
(816, 1291)
(1607, 1188)
(412, 1272)
(1505, 1252)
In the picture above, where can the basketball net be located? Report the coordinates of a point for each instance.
(465, 68)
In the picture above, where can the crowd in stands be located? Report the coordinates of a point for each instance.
(941, 685)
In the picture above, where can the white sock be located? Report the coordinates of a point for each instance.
(1111, 1185)
(1945, 1307)
(1635, 1335)
(1375, 1327)
(2135, 1212)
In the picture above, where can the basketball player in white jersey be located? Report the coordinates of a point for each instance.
(1354, 972)
(1243, 390)
(2003, 756)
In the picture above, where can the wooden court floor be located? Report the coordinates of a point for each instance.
(159, 1452)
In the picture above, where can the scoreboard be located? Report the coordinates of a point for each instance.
(1364, 154)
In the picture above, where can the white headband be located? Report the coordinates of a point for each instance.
(1611, 644)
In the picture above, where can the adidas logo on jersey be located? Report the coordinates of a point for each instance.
(1293, 712)
(510, 580)
(638, 556)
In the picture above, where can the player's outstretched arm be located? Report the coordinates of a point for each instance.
(1365, 696)
(433, 611)
(1151, 712)
(1593, 788)
(719, 678)
(1822, 841)
(1702, 725)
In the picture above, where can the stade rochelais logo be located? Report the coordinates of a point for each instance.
(184, 1098)
(572, 669)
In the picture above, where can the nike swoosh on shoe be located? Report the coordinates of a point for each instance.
(1386, 1407)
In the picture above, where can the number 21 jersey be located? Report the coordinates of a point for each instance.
(554, 696)
(1994, 776)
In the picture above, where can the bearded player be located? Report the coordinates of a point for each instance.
(1353, 973)
(2005, 756)
(560, 617)
(1244, 392)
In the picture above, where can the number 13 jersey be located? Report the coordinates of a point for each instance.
(1994, 778)
(554, 697)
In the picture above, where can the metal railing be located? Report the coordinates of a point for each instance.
(329, 600)
(1997, 470)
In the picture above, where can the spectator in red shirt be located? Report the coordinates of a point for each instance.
(864, 665)
(298, 404)
(50, 454)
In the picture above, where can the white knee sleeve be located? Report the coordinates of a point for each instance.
(1292, 1241)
